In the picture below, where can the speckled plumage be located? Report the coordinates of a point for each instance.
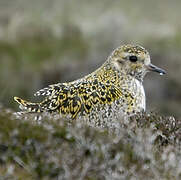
(113, 90)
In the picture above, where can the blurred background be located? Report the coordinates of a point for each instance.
(44, 42)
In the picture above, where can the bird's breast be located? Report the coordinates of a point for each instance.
(139, 94)
(133, 96)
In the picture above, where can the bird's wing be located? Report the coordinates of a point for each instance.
(78, 97)
(55, 94)
(93, 93)
(51, 89)
(61, 98)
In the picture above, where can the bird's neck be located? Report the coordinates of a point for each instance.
(107, 73)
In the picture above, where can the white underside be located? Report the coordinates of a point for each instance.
(142, 92)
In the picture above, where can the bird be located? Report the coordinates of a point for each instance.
(112, 91)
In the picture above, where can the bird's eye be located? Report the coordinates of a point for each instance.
(133, 58)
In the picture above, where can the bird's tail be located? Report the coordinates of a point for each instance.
(28, 106)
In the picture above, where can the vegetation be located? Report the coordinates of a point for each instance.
(145, 146)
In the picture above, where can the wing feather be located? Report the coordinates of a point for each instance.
(48, 91)
(78, 97)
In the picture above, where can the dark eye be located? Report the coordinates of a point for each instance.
(133, 58)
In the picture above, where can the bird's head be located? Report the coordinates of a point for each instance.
(133, 60)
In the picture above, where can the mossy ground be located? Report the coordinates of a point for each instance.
(147, 146)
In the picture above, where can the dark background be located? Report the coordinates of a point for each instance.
(44, 42)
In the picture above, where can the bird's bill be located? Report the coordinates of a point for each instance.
(154, 68)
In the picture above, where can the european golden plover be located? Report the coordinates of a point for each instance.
(115, 89)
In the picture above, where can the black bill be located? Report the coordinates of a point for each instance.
(154, 68)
